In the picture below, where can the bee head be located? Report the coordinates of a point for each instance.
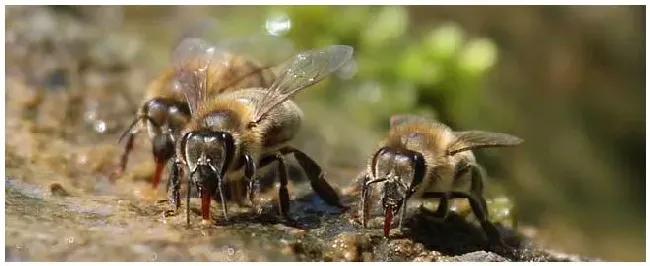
(398, 171)
(165, 116)
(208, 155)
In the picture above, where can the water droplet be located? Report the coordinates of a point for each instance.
(210, 50)
(278, 24)
(82, 159)
(100, 126)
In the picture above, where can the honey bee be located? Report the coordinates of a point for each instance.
(165, 112)
(233, 134)
(424, 159)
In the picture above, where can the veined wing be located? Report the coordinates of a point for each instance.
(470, 140)
(193, 60)
(263, 49)
(202, 67)
(254, 60)
(305, 69)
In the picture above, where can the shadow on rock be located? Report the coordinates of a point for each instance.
(455, 236)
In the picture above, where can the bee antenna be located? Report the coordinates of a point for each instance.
(135, 121)
(193, 171)
(419, 167)
(183, 142)
(374, 160)
(187, 198)
(130, 128)
(229, 143)
(376, 181)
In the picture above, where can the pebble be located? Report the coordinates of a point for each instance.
(58, 190)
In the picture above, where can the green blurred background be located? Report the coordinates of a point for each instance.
(568, 80)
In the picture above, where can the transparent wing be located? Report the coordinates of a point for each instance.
(305, 69)
(259, 46)
(265, 50)
(469, 140)
(258, 60)
(193, 59)
(200, 65)
(262, 49)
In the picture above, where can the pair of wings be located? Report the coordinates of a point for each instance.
(465, 140)
(193, 57)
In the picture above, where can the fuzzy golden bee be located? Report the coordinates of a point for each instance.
(233, 134)
(164, 111)
(425, 159)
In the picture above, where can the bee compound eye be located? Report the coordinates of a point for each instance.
(156, 110)
(177, 119)
(419, 168)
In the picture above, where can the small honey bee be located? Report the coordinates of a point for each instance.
(424, 159)
(233, 134)
(165, 112)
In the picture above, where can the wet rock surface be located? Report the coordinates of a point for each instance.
(61, 136)
(41, 226)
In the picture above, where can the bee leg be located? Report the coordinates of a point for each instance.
(315, 175)
(187, 201)
(127, 150)
(401, 214)
(479, 206)
(365, 201)
(283, 193)
(169, 184)
(253, 189)
(173, 188)
(283, 176)
(224, 206)
(235, 192)
(128, 147)
(253, 194)
(477, 179)
(443, 206)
